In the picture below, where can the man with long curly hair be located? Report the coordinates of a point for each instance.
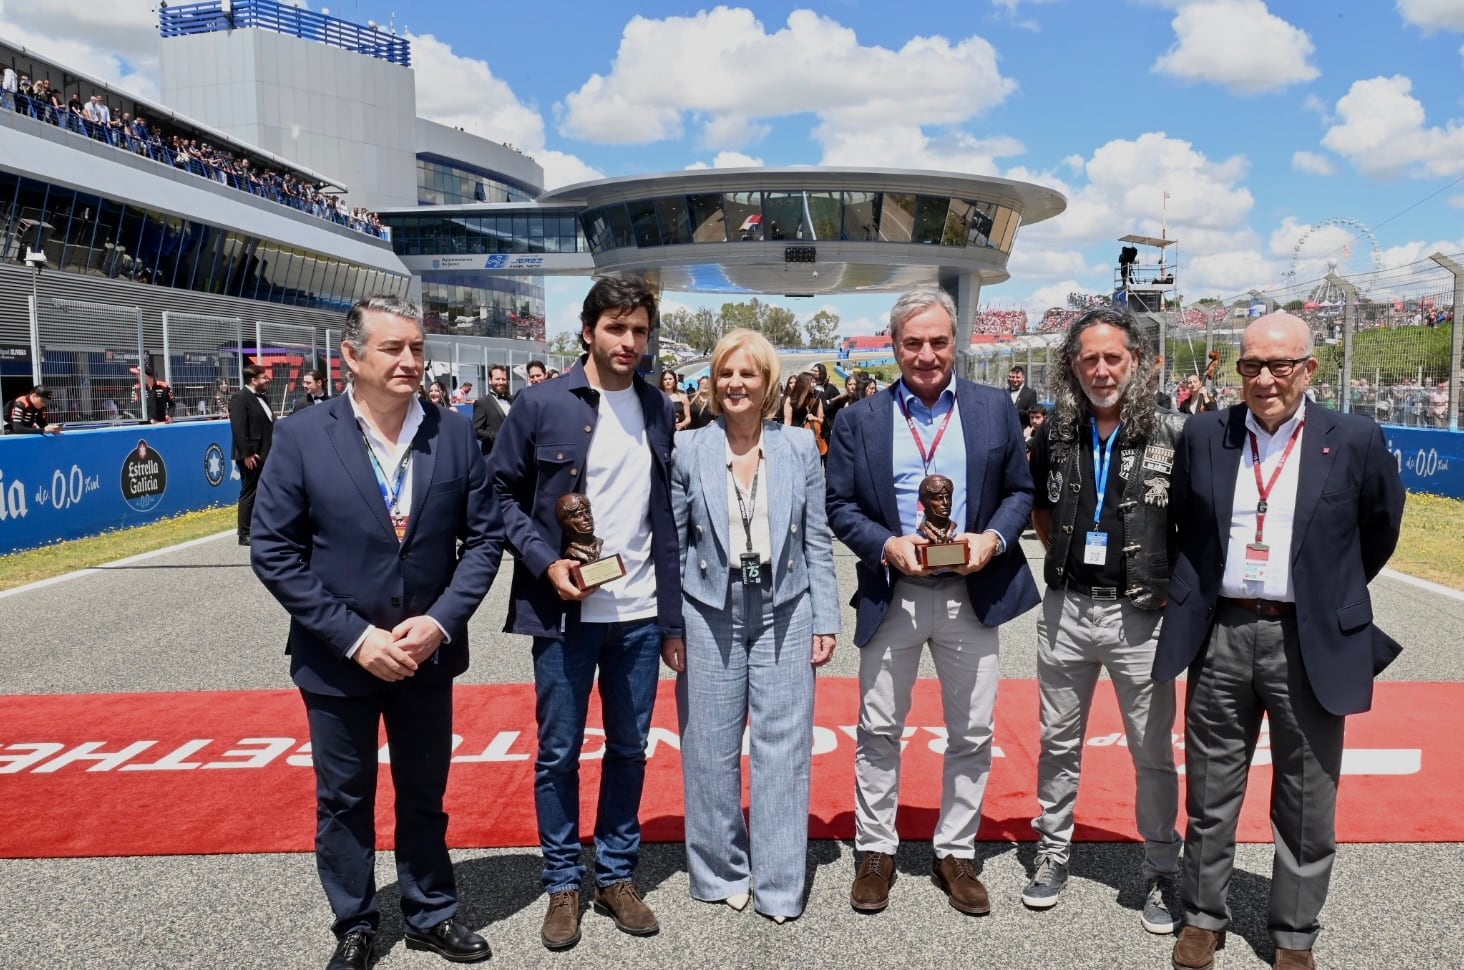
(1102, 465)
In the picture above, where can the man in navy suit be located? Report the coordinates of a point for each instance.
(602, 431)
(883, 447)
(1286, 511)
(376, 530)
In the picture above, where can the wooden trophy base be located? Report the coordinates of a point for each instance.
(944, 555)
(592, 575)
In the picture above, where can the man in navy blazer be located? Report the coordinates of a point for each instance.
(881, 450)
(602, 431)
(1286, 511)
(376, 530)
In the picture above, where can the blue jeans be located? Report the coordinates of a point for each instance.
(628, 657)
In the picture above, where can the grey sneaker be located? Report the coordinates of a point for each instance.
(1161, 906)
(1047, 884)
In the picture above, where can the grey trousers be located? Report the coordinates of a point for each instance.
(751, 666)
(1077, 637)
(1253, 667)
(935, 612)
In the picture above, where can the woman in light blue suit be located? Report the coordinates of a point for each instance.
(762, 611)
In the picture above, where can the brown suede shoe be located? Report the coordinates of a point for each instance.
(871, 892)
(1294, 959)
(957, 879)
(621, 902)
(1195, 949)
(562, 923)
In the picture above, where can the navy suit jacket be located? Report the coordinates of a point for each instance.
(1349, 506)
(538, 457)
(863, 514)
(323, 543)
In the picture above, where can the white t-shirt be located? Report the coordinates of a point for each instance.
(618, 473)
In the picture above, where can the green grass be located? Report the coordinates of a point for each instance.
(33, 565)
(1431, 546)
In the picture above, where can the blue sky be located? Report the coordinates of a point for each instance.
(1262, 119)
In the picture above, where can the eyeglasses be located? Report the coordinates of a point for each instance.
(1281, 367)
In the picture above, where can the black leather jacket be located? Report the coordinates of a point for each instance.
(1150, 538)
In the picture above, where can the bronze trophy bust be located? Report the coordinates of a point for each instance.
(937, 496)
(591, 568)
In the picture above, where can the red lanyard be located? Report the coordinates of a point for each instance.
(926, 459)
(1264, 491)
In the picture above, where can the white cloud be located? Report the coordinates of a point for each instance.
(735, 160)
(1120, 189)
(732, 131)
(1239, 44)
(1433, 15)
(1381, 131)
(1456, 201)
(1045, 298)
(723, 63)
(1312, 164)
(464, 93)
(909, 146)
(116, 43)
(1047, 262)
(727, 160)
(1230, 272)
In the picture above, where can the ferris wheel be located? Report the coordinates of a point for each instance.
(1361, 232)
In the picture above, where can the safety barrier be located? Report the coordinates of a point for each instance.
(84, 483)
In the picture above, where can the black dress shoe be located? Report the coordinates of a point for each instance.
(451, 941)
(353, 952)
(243, 540)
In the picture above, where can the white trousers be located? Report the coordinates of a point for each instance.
(934, 612)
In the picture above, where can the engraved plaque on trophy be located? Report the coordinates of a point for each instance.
(592, 568)
(941, 550)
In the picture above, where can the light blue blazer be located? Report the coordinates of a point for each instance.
(803, 552)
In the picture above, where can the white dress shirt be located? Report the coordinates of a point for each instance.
(762, 536)
(389, 455)
(1280, 513)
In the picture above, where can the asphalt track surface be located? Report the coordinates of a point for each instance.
(195, 618)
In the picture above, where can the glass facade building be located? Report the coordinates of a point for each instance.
(444, 182)
(800, 216)
(439, 233)
(80, 232)
(501, 306)
(471, 303)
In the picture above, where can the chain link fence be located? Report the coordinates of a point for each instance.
(91, 356)
(1385, 342)
(287, 350)
(203, 361)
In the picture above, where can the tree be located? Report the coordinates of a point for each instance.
(776, 323)
(695, 328)
(1293, 306)
(780, 326)
(566, 344)
(822, 329)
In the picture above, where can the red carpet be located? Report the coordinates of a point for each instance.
(228, 772)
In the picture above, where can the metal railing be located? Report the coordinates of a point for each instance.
(181, 20)
(139, 138)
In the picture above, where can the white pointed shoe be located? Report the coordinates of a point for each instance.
(738, 901)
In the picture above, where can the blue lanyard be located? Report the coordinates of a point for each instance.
(391, 495)
(1101, 467)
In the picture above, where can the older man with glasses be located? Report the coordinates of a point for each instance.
(1286, 511)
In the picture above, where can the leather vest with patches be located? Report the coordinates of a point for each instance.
(1150, 540)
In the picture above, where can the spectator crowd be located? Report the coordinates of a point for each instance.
(93, 118)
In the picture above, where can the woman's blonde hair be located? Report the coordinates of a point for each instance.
(763, 357)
